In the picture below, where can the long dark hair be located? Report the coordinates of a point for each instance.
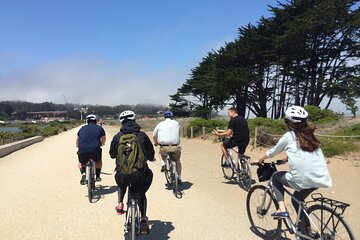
(305, 134)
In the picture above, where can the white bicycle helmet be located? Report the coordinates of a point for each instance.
(296, 114)
(91, 117)
(128, 114)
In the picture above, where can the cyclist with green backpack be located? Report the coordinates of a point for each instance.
(132, 148)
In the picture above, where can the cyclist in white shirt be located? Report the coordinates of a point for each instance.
(167, 135)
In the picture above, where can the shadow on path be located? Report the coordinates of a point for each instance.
(159, 230)
(101, 190)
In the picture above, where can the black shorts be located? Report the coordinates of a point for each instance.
(84, 157)
(229, 143)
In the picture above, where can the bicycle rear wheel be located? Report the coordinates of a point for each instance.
(167, 172)
(90, 181)
(260, 203)
(175, 180)
(133, 222)
(227, 171)
(332, 225)
(244, 175)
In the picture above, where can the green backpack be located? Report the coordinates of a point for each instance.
(130, 157)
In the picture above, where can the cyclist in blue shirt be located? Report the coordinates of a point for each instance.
(89, 140)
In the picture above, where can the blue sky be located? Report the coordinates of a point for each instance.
(112, 52)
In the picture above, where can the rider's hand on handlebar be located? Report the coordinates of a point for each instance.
(280, 161)
(256, 162)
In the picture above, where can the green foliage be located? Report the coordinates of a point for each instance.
(6, 135)
(274, 126)
(353, 130)
(317, 115)
(332, 147)
(50, 131)
(198, 123)
(282, 59)
(28, 130)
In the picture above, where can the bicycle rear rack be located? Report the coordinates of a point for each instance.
(334, 204)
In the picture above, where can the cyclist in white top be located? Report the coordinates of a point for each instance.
(167, 135)
(307, 166)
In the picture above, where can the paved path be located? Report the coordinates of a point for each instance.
(41, 197)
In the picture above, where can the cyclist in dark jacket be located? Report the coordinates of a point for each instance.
(127, 119)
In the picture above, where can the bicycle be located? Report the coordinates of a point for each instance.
(132, 223)
(240, 167)
(321, 220)
(90, 178)
(171, 174)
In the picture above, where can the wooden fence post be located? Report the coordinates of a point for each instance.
(203, 132)
(191, 132)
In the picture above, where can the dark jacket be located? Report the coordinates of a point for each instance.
(145, 143)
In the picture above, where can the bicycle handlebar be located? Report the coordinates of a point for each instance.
(276, 162)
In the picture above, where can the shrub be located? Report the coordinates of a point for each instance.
(209, 125)
(273, 126)
(331, 147)
(50, 131)
(317, 115)
(353, 130)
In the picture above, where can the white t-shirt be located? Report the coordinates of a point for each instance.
(306, 169)
(167, 132)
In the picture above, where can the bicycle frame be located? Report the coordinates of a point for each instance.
(240, 158)
(315, 221)
(295, 225)
(171, 175)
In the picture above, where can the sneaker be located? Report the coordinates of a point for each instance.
(163, 168)
(225, 165)
(278, 215)
(144, 226)
(120, 209)
(98, 179)
(180, 182)
(83, 179)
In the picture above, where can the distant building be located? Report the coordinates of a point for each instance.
(47, 116)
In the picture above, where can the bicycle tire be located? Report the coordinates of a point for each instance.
(332, 225)
(175, 182)
(133, 221)
(227, 171)
(260, 203)
(89, 177)
(244, 175)
(167, 172)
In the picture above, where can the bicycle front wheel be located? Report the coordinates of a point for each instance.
(244, 175)
(326, 223)
(260, 204)
(228, 171)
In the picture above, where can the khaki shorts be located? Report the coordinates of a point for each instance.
(175, 150)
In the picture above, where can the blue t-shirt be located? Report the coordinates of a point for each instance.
(89, 138)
